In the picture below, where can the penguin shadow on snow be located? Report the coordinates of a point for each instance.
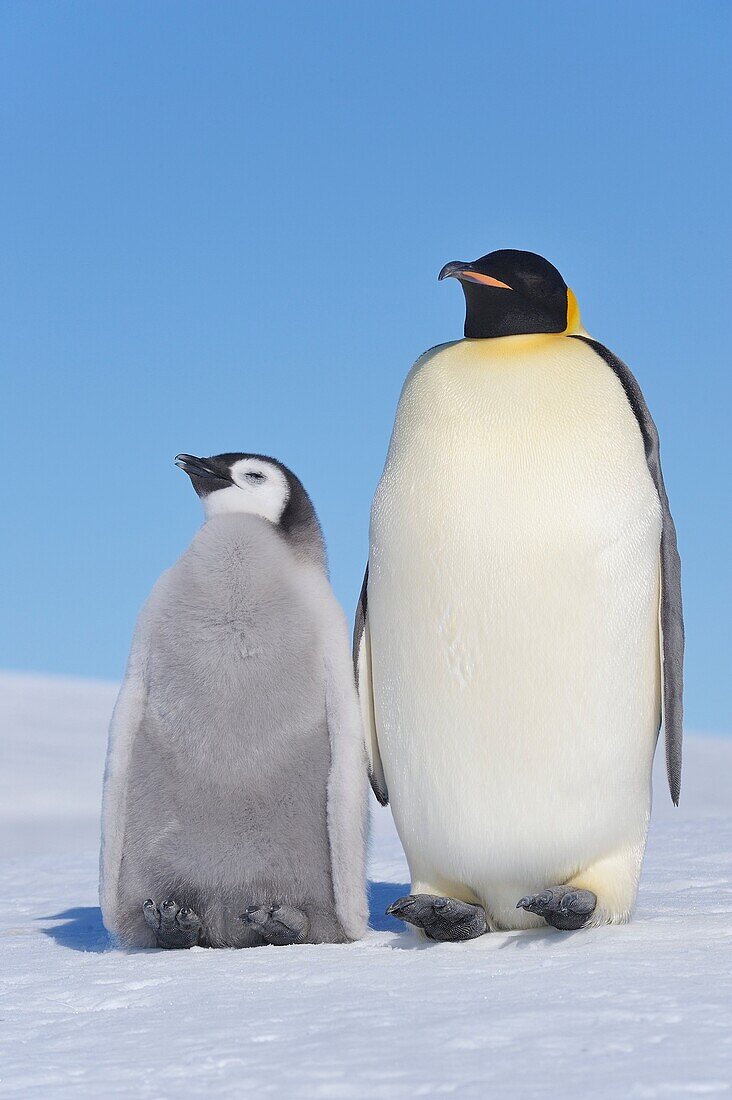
(381, 895)
(526, 938)
(82, 929)
(518, 940)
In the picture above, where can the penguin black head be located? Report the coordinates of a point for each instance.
(512, 293)
(257, 485)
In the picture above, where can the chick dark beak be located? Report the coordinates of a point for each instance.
(198, 467)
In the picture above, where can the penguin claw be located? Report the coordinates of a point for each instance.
(562, 907)
(401, 905)
(174, 927)
(151, 913)
(279, 925)
(255, 914)
(442, 919)
(546, 901)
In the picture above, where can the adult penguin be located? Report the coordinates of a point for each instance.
(520, 633)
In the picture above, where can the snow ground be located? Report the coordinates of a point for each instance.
(639, 1011)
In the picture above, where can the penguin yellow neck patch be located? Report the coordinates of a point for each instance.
(574, 321)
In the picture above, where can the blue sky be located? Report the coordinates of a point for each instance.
(222, 226)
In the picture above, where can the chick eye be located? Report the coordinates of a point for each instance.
(254, 476)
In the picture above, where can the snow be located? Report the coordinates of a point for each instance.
(638, 1011)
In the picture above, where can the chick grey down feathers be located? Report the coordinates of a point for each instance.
(235, 774)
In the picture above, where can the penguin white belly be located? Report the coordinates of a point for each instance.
(513, 608)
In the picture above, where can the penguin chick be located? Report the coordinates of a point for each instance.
(519, 635)
(234, 809)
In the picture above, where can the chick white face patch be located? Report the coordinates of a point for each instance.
(259, 488)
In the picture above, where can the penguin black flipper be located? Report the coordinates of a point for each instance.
(362, 666)
(672, 620)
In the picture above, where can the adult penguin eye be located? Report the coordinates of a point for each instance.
(254, 476)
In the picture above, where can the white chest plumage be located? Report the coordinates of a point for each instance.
(513, 608)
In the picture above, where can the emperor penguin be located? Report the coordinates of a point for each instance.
(519, 633)
(234, 809)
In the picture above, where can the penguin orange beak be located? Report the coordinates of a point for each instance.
(458, 269)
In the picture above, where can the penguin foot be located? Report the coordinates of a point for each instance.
(279, 925)
(561, 906)
(173, 927)
(445, 920)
